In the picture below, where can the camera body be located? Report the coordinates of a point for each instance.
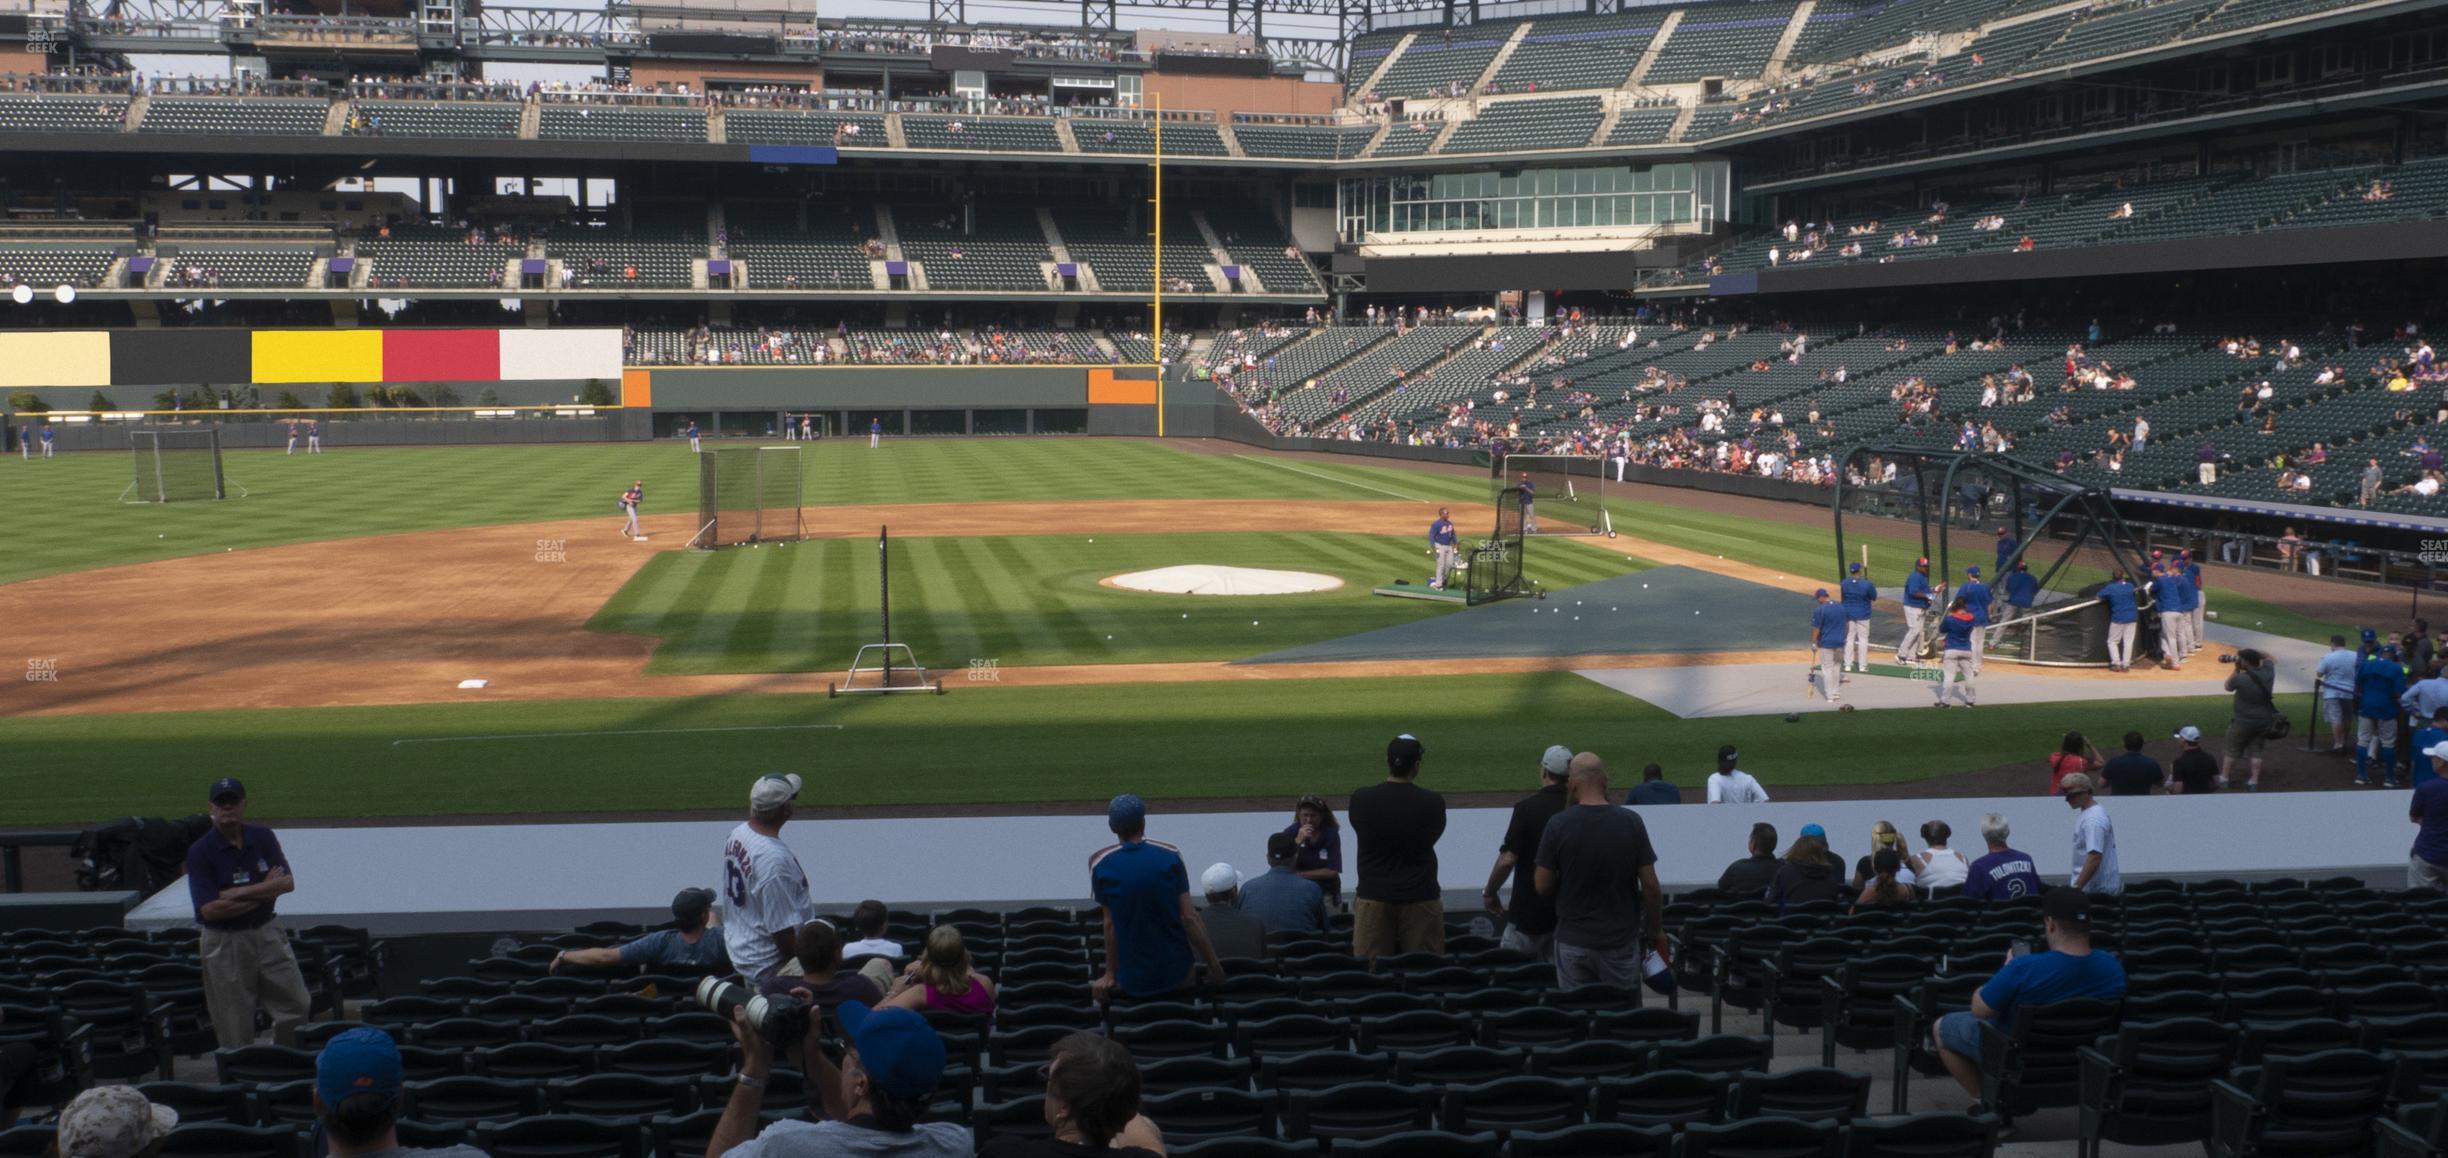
(780, 1020)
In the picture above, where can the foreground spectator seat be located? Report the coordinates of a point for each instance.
(562, 1136)
(1807, 1094)
(1668, 1098)
(2033, 1065)
(621, 1096)
(2326, 1103)
(1358, 1110)
(1203, 1112)
(225, 1102)
(1459, 1065)
(1761, 1138)
(1322, 1069)
(1923, 1136)
(259, 1065)
(230, 1140)
(1594, 1140)
(1510, 1104)
(2149, 1085)
(470, 1099)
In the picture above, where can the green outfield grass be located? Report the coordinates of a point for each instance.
(1027, 599)
(977, 746)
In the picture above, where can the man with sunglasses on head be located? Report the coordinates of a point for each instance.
(234, 874)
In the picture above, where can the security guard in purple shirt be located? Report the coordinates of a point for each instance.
(1828, 624)
(234, 874)
(1441, 541)
(1858, 594)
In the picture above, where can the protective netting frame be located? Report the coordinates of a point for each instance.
(2057, 522)
(1571, 490)
(197, 466)
(1495, 570)
(749, 494)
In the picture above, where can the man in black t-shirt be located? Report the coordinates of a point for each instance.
(1596, 862)
(1750, 877)
(2196, 771)
(2130, 773)
(1530, 921)
(1398, 906)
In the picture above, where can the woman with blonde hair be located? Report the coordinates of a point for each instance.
(943, 979)
(1883, 838)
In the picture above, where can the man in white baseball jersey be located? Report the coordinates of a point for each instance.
(765, 892)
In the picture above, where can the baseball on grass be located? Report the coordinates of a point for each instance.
(161, 536)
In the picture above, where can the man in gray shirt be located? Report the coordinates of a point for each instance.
(1595, 860)
(1233, 932)
(1284, 901)
(873, 1102)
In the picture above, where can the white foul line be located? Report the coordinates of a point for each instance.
(1333, 479)
(640, 732)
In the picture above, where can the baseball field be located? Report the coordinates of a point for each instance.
(312, 637)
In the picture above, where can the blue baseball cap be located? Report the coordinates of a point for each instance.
(1819, 594)
(1971, 570)
(901, 1053)
(1814, 830)
(1853, 567)
(225, 786)
(358, 1061)
(1126, 813)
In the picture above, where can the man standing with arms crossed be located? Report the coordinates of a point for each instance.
(765, 891)
(1828, 627)
(1595, 861)
(1917, 592)
(1441, 541)
(1859, 595)
(234, 874)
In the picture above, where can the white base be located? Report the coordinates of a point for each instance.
(1215, 579)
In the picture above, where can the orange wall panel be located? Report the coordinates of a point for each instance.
(637, 387)
(1105, 389)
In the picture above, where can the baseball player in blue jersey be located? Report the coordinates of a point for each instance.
(1529, 496)
(2006, 548)
(875, 433)
(1975, 598)
(1961, 659)
(629, 502)
(1828, 639)
(1441, 540)
(293, 437)
(314, 437)
(2124, 613)
(692, 437)
(2170, 591)
(1917, 593)
(2201, 597)
(1859, 593)
(46, 440)
(2022, 589)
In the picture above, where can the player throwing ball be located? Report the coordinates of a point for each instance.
(629, 501)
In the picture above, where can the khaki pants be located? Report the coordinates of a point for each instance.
(1383, 927)
(883, 972)
(248, 970)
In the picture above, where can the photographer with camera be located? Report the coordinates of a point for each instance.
(2253, 681)
(873, 1101)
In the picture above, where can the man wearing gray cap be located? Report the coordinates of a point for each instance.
(1530, 920)
(689, 940)
(112, 1122)
(765, 892)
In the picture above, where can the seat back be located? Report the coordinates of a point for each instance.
(2038, 1066)
(1811, 1095)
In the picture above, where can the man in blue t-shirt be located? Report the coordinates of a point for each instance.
(2069, 970)
(2124, 613)
(1917, 592)
(2379, 689)
(1974, 596)
(2427, 867)
(1828, 625)
(1441, 543)
(1150, 924)
(2004, 874)
(1859, 595)
(691, 941)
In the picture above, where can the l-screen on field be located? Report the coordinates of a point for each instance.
(313, 636)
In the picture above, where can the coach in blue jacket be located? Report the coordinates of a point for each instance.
(1828, 625)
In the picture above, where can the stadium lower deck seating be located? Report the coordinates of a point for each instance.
(437, 118)
(601, 258)
(2315, 1005)
(1120, 135)
(62, 114)
(1305, 142)
(46, 266)
(778, 252)
(787, 127)
(610, 122)
(992, 134)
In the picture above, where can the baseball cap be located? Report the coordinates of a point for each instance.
(2073, 783)
(1923, 561)
(358, 1061)
(2067, 906)
(899, 1050)
(1727, 752)
(2001, 530)
(690, 906)
(1405, 749)
(1556, 761)
(1854, 568)
(2189, 734)
(2437, 751)
(1219, 878)
(774, 788)
(1127, 812)
(1971, 570)
(226, 786)
(2370, 635)
(1814, 830)
(1820, 593)
(111, 1122)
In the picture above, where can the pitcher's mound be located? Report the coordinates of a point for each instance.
(1211, 579)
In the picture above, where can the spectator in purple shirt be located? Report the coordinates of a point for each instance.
(234, 875)
(2004, 874)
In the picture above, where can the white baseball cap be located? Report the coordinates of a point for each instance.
(2189, 734)
(1557, 761)
(2437, 751)
(773, 788)
(1219, 878)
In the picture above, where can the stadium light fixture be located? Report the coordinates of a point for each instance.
(23, 295)
(63, 294)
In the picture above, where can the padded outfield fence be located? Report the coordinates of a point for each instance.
(268, 429)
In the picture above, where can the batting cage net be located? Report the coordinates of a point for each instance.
(1496, 563)
(1566, 492)
(176, 466)
(748, 494)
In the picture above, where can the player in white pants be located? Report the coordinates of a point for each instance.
(1959, 663)
(1858, 595)
(1441, 541)
(2120, 645)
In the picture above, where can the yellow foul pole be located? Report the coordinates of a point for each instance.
(1156, 304)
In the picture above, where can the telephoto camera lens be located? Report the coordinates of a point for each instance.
(777, 1019)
